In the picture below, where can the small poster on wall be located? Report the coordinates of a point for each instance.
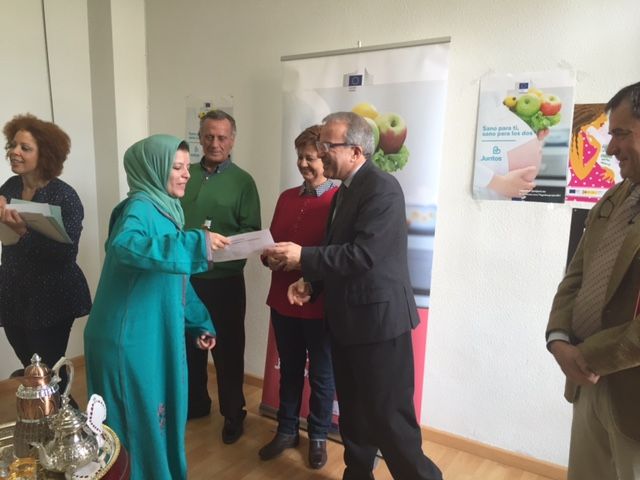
(522, 138)
(591, 171)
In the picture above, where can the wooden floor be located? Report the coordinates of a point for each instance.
(209, 458)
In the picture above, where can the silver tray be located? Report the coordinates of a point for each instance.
(107, 455)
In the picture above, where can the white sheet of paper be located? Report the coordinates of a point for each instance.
(243, 245)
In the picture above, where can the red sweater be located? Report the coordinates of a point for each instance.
(300, 219)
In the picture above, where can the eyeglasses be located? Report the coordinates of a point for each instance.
(323, 147)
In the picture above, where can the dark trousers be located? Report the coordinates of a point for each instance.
(375, 393)
(49, 343)
(226, 301)
(295, 337)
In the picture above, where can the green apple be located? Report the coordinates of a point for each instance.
(375, 131)
(527, 105)
(393, 131)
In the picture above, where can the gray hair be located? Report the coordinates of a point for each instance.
(358, 130)
(631, 93)
(219, 115)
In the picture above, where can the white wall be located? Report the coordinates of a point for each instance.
(68, 48)
(28, 62)
(68, 94)
(497, 265)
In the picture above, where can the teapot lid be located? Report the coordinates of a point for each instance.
(38, 368)
(38, 374)
(68, 419)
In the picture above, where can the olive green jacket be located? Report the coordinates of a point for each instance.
(613, 352)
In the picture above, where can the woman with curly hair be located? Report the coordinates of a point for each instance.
(42, 289)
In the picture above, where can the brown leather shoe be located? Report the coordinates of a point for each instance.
(278, 445)
(317, 453)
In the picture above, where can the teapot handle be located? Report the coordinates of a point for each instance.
(56, 369)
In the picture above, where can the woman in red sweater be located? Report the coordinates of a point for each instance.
(301, 216)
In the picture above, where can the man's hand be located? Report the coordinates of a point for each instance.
(299, 292)
(572, 363)
(286, 253)
(274, 264)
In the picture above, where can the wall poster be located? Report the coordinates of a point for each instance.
(522, 137)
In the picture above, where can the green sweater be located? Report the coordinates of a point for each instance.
(230, 199)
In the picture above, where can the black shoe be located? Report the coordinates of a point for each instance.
(233, 428)
(317, 453)
(278, 445)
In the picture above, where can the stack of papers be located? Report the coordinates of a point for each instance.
(41, 217)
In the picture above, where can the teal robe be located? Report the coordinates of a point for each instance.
(134, 340)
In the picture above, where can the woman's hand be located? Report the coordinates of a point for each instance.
(11, 218)
(217, 241)
(206, 341)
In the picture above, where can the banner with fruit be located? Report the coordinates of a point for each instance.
(401, 91)
(522, 139)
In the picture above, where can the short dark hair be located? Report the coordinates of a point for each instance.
(219, 115)
(308, 137)
(358, 130)
(53, 143)
(184, 146)
(630, 92)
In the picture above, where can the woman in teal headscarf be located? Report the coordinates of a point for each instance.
(134, 339)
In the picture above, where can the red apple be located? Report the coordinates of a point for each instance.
(393, 131)
(550, 105)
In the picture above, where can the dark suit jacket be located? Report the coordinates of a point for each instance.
(362, 264)
(613, 352)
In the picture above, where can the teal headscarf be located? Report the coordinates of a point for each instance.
(148, 164)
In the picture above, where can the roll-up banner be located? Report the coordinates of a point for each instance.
(401, 89)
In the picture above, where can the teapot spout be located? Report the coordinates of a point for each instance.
(43, 456)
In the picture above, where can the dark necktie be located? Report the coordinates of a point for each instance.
(339, 197)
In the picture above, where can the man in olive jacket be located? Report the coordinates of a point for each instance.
(602, 362)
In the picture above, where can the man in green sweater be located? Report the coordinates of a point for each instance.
(224, 194)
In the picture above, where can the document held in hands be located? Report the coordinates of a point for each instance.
(243, 245)
(7, 235)
(43, 218)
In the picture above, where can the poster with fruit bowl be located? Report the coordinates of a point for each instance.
(522, 137)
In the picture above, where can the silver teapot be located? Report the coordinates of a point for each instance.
(73, 446)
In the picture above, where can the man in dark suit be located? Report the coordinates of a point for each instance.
(594, 326)
(369, 306)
